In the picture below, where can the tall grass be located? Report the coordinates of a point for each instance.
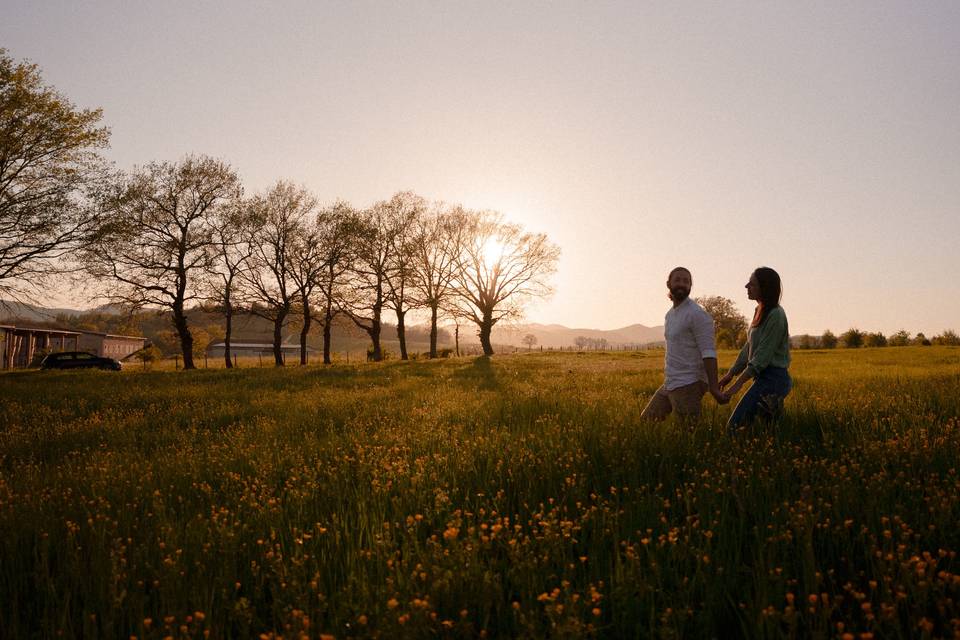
(520, 496)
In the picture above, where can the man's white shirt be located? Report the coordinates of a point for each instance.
(688, 331)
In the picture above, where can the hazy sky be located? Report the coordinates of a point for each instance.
(819, 138)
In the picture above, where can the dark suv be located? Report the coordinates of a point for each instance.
(78, 360)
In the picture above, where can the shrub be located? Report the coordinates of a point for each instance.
(899, 339)
(852, 338)
(875, 340)
(948, 337)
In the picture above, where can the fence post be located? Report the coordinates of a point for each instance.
(260, 356)
(234, 361)
(176, 360)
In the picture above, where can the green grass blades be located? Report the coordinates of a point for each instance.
(514, 497)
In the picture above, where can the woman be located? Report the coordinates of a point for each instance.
(765, 357)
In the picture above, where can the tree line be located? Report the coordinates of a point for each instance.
(731, 332)
(854, 338)
(169, 235)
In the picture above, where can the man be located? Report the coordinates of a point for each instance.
(691, 357)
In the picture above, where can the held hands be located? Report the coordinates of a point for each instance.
(724, 395)
(725, 380)
(719, 396)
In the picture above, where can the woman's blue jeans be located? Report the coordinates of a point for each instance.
(764, 398)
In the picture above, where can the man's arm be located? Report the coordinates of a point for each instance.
(710, 366)
(703, 334)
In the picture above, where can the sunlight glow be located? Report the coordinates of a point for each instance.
(492, 251)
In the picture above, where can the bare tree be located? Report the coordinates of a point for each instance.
(501, 267)
(306, 264)
(279, 218)
(50, 170)
(231, 250)
(338, 228)
(452, 308)
(369, 289)
(157, 236)
(436, 248)
(530, 340)
(403, 211)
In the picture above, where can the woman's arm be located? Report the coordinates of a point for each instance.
(738, 366)
(736, 386)
(767, 339)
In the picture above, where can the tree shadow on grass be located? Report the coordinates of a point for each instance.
(480, 373)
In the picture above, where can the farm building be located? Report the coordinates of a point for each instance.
(24, 346)
(110, 345)
(246, 349)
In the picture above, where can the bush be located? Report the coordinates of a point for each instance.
(384, 353)
(852, 338)
(875, 340)
(899, 339)
(148, 354)
(948, 337)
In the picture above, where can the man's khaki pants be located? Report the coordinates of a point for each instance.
(684, 400)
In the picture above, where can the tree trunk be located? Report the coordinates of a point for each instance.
(456, 338)
(374, 332)
(486, 327)
(304, 331)
(278, 337)
(228, 316)
(433, 331)
(402, 333)
(327, 328)
(186, 339)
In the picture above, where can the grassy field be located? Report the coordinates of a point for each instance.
(470, 498)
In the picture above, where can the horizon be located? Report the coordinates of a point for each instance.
(820, 141)
(506, 326)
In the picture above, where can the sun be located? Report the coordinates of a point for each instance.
(492, 251)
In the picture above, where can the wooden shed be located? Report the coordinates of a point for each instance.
(21, 345)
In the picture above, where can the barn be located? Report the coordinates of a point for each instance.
(22, 346)
(25, 346)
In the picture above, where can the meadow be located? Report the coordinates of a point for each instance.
(519, 496)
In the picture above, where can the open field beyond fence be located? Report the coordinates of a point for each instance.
(518, 496)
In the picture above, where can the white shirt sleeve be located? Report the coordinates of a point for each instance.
(703, 334)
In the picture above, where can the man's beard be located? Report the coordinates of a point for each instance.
(679, 294)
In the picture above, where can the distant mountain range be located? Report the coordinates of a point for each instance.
(555, 335)
(11, 310)
(548, 335)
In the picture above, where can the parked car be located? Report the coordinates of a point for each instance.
(78, 360)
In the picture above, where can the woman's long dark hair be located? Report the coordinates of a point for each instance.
(770, 291)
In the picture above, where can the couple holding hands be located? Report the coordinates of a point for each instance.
(691, 355)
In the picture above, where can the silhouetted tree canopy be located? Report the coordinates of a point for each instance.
(731, 325)
(50, 169)
(852, 338)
